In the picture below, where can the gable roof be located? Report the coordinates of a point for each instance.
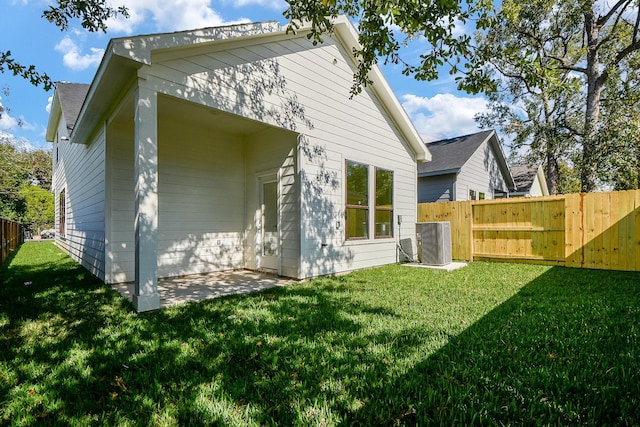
(450, 155)
(126, 57)
(66, 105)
(72, 96)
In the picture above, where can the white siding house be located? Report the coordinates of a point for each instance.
(470, 167)
(232, 147)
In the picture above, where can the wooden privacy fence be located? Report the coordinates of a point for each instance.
(588, 230)
(11, 235)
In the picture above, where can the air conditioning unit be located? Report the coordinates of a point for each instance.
(434, 242)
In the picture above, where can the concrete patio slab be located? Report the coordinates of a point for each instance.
(197, 287)
(449, 267)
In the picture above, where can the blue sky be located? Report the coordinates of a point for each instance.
(437, 109)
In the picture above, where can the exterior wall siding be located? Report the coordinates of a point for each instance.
(536, 188)
(272, 152)
(80, 172)
(436, 188)
(120, 249)
(480, 173)
(200, 200)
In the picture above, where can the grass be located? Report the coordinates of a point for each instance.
(495, 344)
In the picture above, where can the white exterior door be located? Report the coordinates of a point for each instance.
(269, 258)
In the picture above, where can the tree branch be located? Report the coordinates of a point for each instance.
(603, 19)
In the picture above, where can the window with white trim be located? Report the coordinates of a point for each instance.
(357, 201)
(360, 203)
(384, 203)
(62, 212)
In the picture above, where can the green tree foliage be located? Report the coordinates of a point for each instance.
(92, 15)
(25, 178)
(565, 76)
(38, 211)
(12, 175)
(434, 21)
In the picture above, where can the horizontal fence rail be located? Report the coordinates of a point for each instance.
(587, 230)
(11, 236)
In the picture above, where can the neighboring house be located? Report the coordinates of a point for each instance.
(530, 181)
(229, 148)
(470, 167)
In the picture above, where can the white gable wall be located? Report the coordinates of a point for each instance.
(480, 173)
(294, 85)
(80, 173)
(287, 83)
(357, 130)
(536, 188)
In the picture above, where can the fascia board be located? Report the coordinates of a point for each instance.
(348, 36)
(54, 118)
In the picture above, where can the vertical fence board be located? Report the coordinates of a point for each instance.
(11, 236)
(594, 230)
(573, 230)
(635, 253)
(616, 215)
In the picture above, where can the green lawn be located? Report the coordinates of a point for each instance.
(487, 344)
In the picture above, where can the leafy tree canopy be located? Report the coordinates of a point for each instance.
(25, 182)
(92, 15)
(566, 77)
(435, 21)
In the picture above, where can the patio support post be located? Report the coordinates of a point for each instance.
(146, 295)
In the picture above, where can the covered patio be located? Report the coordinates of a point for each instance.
(198, 287)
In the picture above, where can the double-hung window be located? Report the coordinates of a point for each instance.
(384, 203)
(62, 212)
(362, 199)
(357, 201)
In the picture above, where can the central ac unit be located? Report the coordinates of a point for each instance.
(434, 242)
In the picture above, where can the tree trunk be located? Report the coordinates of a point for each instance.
(551, 141)
(588, 167)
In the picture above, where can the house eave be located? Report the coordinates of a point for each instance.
(542, 180)
(348, 35)
(54, 118)
(124, 56)
(439, 172)
(502, 161)
(114, 71)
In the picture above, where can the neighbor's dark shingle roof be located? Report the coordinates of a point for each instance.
(451, 154)
(71, 96)
(524, 176)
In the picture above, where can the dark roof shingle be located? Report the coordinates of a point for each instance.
(71, 97)
(451, 154)
(524, 176)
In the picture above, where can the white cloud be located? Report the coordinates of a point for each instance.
(459, 28)
(169, 15)
(74, 59)
(272, 4)
(20, 143)
(49, 102)
(6, 120)
(444, 115)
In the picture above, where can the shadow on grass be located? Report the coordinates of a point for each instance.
(564, 350)
(368, 348)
